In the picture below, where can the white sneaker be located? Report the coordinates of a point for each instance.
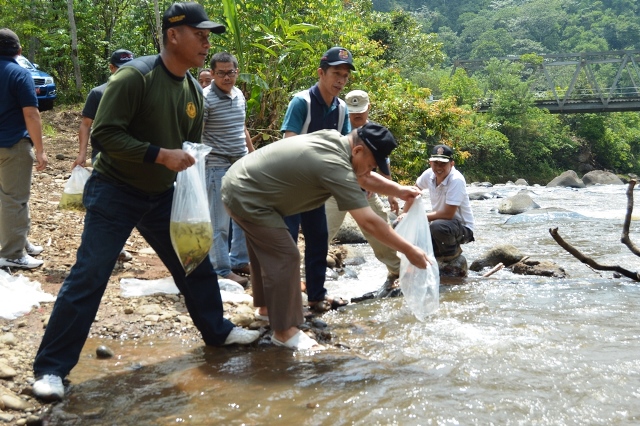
(49, 388)
(32, 249)
(25, 262)
(242, 336)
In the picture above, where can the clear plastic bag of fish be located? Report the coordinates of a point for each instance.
(190, 228)
(421, 287)
(71, 198)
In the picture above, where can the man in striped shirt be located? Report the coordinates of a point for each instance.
(226, 133)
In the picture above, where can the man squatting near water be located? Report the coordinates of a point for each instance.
(258, 192)
(451, 219)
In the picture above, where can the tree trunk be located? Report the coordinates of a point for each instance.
(156, 11)
(74, 49)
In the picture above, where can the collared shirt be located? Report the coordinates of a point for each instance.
(452, 191)
(224, 124)
(323, 116)
(292, 176)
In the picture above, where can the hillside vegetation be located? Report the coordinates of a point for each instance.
(403, 52)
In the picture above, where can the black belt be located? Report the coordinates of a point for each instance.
(229, 158)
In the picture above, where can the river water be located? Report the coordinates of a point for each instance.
(503, 350)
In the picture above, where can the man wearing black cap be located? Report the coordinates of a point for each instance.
(451, 219)
(20, 133)
(149, 108)
(259, 192)
(118, 58)
(319, 108)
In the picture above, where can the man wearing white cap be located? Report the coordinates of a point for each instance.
(359, 106)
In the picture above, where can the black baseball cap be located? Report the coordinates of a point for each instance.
(337, 56)
(380, 141)
(9, 42)
(191, 14)
(121, 57)
(441, 153)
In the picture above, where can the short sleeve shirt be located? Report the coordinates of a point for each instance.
(452, 191)
(17, 91)
(323, 116)
(92, 102)
(224, 124)
(292, 176)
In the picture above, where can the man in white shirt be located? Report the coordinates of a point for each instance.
(451, 219)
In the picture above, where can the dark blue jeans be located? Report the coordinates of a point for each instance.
(314, 229)
(113, 210)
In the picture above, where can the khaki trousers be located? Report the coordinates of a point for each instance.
(386, 255)
(16, 167)
(274, 260)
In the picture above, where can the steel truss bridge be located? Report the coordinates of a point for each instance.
(569, 83)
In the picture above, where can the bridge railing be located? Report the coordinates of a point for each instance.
(564, 80)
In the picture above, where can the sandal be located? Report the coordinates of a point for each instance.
(299, 342)
(259, 316)
(329, 303)
(337, 302)
(320, 307)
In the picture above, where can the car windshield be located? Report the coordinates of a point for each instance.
(24, 63)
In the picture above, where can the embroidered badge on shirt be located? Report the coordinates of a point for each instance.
(191, 110)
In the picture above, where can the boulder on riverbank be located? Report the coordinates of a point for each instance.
(601, 177)
(512, 258)
(542, 268)
(349, 232)
(519, 203)
(568, 179)
(453, 268)
(505, 254)
(547, 214)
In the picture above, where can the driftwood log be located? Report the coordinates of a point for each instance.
(624, 239)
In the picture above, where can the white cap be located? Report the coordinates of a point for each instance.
(357, 101)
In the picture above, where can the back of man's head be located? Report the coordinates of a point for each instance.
(9, 43)
(121, 57)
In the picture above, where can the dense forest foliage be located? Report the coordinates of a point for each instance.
(403, 51)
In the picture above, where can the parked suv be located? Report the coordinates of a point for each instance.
(45, 87)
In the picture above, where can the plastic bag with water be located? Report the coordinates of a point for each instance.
(421, 287)
(190, 228)
(72, 195)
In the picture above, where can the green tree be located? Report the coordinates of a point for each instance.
(466, 90)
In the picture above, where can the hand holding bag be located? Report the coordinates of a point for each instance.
(190, 228)
(72, 195)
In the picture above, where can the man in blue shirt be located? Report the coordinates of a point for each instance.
(319, 108)
(118, 59)
(20, 132)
